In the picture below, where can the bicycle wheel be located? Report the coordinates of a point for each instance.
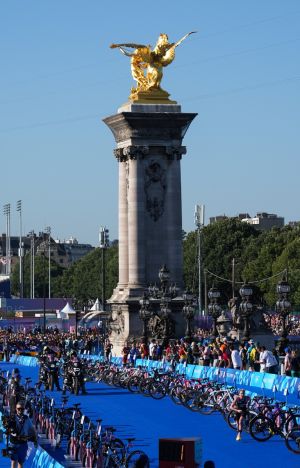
(231, 420)
(133, 384)
(176, 394)
(261, 428)
(192, 400)
(292, 421)
(137, 459)
(144, 387)
(206, 406)
(292, 440)
(157, 390)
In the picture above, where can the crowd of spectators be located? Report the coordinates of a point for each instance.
(203, 349)
(217, 353)
(274, 323)
(33, 341)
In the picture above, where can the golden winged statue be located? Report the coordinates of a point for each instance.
(147, 67)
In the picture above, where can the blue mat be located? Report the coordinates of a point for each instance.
(148, 420)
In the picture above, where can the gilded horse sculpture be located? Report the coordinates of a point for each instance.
(152, 61)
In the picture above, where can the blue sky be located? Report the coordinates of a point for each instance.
(59, 79)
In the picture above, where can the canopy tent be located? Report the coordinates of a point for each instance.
(97, 305)
(66, 312)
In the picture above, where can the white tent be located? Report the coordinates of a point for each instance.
(66, 312)
(96, 306)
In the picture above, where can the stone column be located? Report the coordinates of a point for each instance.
(174, 213)
(136, 213)
(123, 220)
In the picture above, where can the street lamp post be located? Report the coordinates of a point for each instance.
(246, 309)
(104, 243)
(48, 231)
(145, 315)
(199, 221)
(165, 313)
(213, 308)
(32, 252)
(188, 313)
(6, 211)
(164, 294)
(21, 250)
(283, 307)
(164, 276)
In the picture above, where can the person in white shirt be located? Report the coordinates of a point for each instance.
(152, 347)
(268, 360)
(236, 358)
(261, 361)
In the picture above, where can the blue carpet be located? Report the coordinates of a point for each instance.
(148, 420)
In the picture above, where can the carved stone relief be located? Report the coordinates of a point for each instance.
(117, 322)
(155, 186)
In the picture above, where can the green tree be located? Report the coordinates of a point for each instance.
(220, 243)
(41, 276)
(83, 279)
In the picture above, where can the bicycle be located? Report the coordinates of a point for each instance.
(124, 458)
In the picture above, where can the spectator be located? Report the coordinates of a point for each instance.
(268, 359)
(236, 359)
(152, 351)
(287, 364)
(295, 364)
(243, 354)
(254, 358)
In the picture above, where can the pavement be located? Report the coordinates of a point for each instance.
(149, 420)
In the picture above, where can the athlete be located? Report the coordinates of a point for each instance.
(240, 406)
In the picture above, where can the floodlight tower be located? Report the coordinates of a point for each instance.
(199, 222)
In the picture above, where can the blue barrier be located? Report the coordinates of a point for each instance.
(271, 385)
(42, 459)
(24, 360)
(93, 357)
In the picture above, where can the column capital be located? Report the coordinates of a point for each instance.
(175, 152)
(131, 152)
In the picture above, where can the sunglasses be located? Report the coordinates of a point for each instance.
(20, 408)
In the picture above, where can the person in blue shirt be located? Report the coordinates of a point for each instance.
(20, 430)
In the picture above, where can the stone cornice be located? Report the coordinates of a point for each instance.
(155, 126)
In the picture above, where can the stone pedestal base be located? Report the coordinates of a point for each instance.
(127, 326)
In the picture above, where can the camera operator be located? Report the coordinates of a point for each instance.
(20, 430)
(15, 391)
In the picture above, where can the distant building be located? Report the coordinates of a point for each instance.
(216, 219)
(63, 253)
(264, 221)
(74, 250)
(294, 224)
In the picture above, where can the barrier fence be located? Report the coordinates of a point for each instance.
(280, 387)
